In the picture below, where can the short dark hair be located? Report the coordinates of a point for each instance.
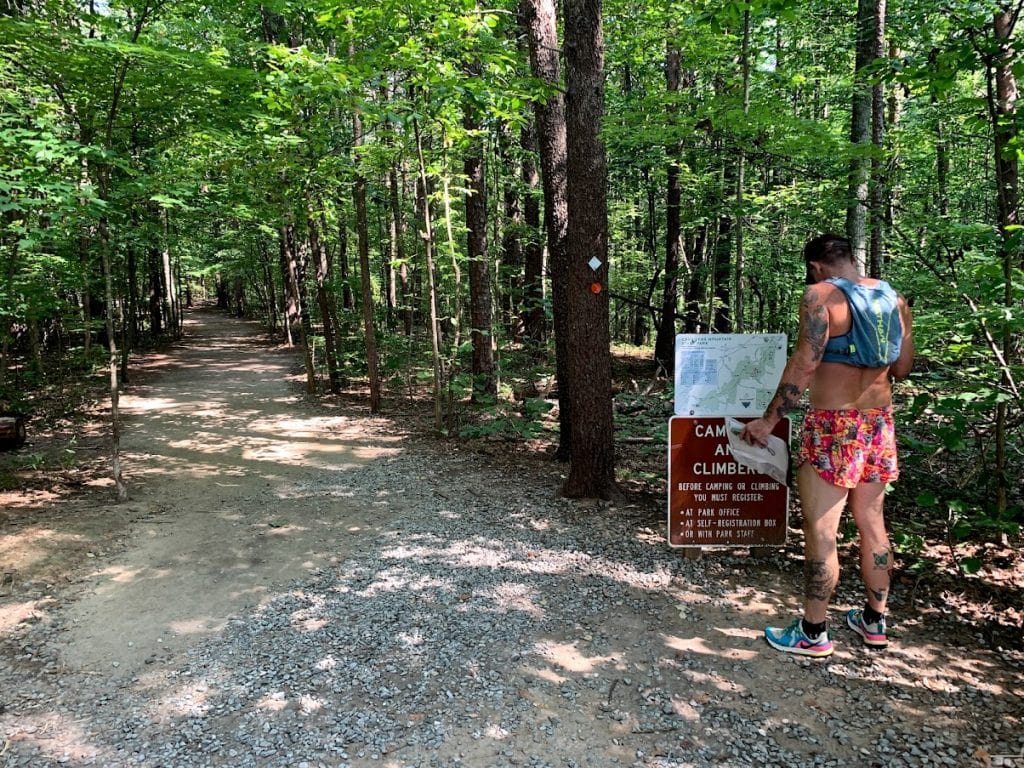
(828, 248)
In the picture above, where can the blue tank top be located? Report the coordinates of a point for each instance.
(876, 330)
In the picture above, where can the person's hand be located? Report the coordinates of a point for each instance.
(756, 432)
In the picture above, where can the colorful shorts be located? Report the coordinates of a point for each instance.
(849, 447)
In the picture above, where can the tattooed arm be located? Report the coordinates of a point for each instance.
(801, 366)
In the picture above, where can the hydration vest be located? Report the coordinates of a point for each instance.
(876, 330)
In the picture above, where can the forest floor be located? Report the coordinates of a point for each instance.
(295, 582)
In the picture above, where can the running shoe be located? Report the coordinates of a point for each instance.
(792, 639)
(873, 634)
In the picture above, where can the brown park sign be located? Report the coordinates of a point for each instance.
(714, 500)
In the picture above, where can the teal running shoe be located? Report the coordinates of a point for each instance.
(792, 639)
(873, 634)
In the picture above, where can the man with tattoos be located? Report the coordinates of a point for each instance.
(855, 339)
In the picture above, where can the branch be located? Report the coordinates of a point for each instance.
(994, 347)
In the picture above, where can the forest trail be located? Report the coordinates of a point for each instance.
(300, 584)
(217, 447)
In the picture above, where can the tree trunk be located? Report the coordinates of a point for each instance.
(347, 299)
(484, 380)
(428, 246)
(1007, 192)
(592, 471)
(539, 21)
(860, 134)
(363, 237)
(878, 196)
(398, 239)
(723, 258)
(739, 287)
(121, 490)
(665, 341)
(533, 252)
(327, 315)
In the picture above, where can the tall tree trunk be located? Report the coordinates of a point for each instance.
(399, 254)
(723, 256)
(941, 163)
(510, 272)
(533, 251)
(428, 246)
(121, 490)
(297, 310)
(741, 169)
(860, 133)
(664, 342)
(695, 280)
(484, 381)
(539, 20)
(1008, 201)
(327, 315)
(592, 471)
(878, 196)
(363, 236)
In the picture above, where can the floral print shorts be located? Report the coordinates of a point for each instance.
(849, 447)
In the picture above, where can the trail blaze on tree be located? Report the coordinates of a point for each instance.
(213, 155)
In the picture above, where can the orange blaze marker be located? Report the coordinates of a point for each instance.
(595, 287)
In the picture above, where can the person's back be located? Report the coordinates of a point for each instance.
(845, 385)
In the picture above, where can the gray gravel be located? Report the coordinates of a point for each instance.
(489, 623)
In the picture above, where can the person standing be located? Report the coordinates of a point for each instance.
(855, 339)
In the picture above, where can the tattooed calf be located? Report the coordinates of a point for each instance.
(881, 560)
(819, 580)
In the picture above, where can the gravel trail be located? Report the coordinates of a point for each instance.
(305, 585)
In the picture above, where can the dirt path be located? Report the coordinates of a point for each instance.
(293, 585)
(215, 447)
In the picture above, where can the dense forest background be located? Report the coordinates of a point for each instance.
(483, 202)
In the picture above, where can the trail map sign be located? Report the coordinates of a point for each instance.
(727, 374)
(713, 499)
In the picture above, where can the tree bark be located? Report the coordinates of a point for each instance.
(665, 341)
(363, 236)
(484, 380)
(533, 251)
(860, 134)
(592, 470)
(539, 20)
(877, 195)
(428, 247)
(1008, 201)
(323, 277)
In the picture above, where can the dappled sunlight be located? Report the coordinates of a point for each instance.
(193, 698)
(514, 597)
(700, 645)
(116, 574)
(13, 614)
(273, 702)
(35, 498)
(567, 656)
(58, 739)
(29, 546)
(402, 580)
(519, 558)
(199, 625)
(547, 675)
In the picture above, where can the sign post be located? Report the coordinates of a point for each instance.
(713, 499)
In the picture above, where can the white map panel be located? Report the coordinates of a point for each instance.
(727, 374)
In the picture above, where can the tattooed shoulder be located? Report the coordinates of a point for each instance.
(814, 317)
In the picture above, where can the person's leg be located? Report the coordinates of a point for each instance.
(866, 506)
(822, 505)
